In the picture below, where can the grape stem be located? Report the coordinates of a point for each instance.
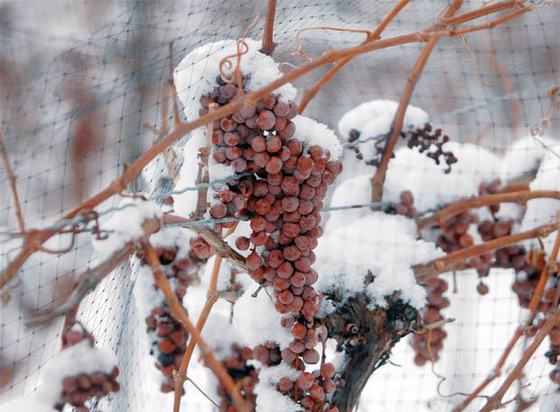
(268, 44)
(13, 183)
(533, 306)
(36, 238)
(463, 205)
(378, 180)
(180, 315)
(310, 93)
(211, 297)
(455, 260)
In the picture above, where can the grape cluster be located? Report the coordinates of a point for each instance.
(78, 389)
(244, 375)
(169, 338)
(311, 389)
(428, 345)
(405, 207)
(426, 138)
(454, 234)
(281, 187)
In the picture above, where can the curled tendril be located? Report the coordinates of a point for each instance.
(538, 128)
(227, 65)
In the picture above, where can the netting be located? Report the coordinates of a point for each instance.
(80, 79)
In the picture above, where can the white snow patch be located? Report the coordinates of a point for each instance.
(384, 244)
(76, 359)
(374, 118)
(268, 398)
(312, 133)
(542, 211)
(196, 74)
(257, 322)
(125, 225)
(523, 156)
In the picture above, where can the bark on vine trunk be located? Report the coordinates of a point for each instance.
(367, 336)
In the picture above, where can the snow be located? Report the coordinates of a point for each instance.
(312, 133)
(374, 118)
(268, 398)
(384, 244)
(71, 361)
(523, 156)
(185, 203)
(430, 186)
(196, 74)
(125, 225)
(257, 321)
(542, 211)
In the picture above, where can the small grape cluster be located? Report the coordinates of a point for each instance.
(425, 138)
(244, 375)
(77, 390)
(454, 234)
(169, 338)
(428, 345)
(378, 145)
(282, 190)
(405, 207)
(311, 389)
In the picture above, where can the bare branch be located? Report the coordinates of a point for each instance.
(454, 260)
(39, 237)
(268, 44)
(179, 313)
(460, 206)
(13, 184)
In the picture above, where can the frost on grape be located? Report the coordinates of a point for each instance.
(72, 361)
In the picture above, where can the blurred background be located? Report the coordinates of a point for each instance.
(79, 79)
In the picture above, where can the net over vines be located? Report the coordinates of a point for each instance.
(279, 205)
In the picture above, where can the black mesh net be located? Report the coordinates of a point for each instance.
(80, 79)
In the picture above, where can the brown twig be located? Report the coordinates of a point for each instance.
(310, 93)
(179, 313)
(378, 179)
(13, 183)
(460, 206)
(495, 401)
(211, 298)
(38, 237)
(453, 260)
(533, 306)
(268, 44)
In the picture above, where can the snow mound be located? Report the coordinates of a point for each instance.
(196, 74)
(382, 244)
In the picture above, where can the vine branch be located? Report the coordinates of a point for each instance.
(268, 44)
(179, 313)
(38, 237)
(13, 183)
(453, 260)
(453, 209)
